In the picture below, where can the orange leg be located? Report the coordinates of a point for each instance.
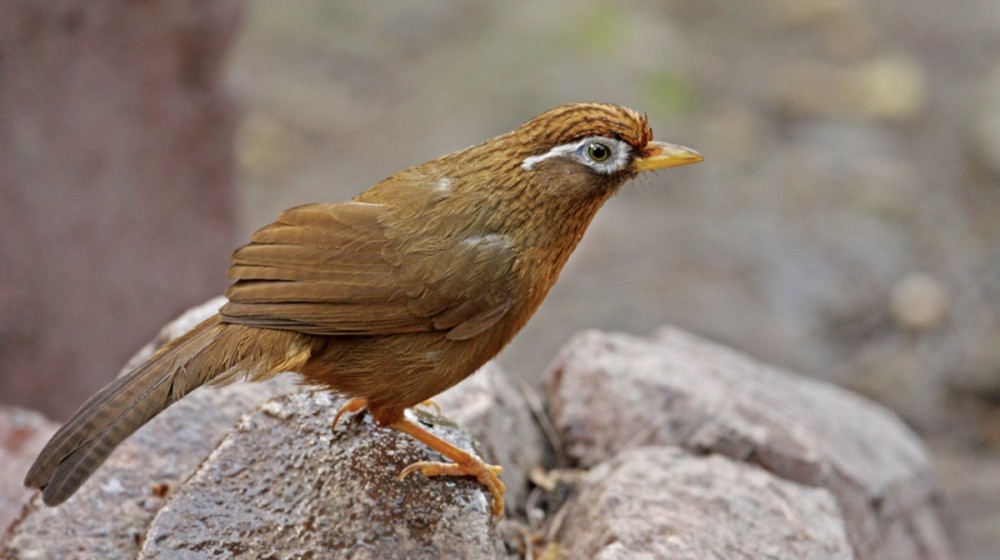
(356, 404)
(465, 464)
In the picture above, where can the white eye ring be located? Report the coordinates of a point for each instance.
(581, 150)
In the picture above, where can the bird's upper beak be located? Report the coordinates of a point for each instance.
(660, 155)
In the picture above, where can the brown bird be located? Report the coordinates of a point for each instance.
(393, 297)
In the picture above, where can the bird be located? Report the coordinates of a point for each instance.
(394, 296)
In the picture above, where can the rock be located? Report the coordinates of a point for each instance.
(610, 393)
(108, 516)
(662, 502)
(284, 484)
(116, 133)
(23, 433)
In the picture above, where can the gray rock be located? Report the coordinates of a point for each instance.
(284, 484)
(662, 502)
(108, 516)
(610, 393)
(22, 435)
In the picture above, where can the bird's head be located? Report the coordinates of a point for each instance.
(554, 171)
(596, 143)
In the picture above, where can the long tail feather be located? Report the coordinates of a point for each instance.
(104, 421)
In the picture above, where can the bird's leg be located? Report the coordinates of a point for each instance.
(356, 404)
(465, 464)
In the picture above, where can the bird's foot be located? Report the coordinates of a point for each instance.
(465, 463)
(487, 475)
(356, 404)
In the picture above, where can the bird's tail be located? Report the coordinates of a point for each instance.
(205, 354)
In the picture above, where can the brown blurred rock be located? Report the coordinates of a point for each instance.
(886, 88)
(284, 484)
(661, 502)
(610, 393)
(116, 197)
(22, 435)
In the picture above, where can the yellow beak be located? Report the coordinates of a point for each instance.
(660, 155)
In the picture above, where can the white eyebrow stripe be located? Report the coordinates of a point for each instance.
(621, 150)
(558, 151)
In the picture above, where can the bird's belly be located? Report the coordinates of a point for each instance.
(398, 371)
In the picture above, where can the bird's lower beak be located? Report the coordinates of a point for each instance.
(660, 155)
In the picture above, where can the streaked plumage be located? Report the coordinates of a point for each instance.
(394, 296)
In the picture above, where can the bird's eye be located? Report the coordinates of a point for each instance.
(598, 152)
(602, 155)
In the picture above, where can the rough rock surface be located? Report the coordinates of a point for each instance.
(610, 393)
(283, 484)
(108, 515)
(810, 471)
(117, 202)
(662, 502)
(22, 435)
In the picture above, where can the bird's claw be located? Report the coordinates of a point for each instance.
(350, 407)
(487, 475)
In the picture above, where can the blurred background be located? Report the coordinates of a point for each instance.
(845, 223)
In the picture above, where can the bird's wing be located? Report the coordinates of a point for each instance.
(337, 269)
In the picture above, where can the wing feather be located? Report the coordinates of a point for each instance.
(337, 269)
